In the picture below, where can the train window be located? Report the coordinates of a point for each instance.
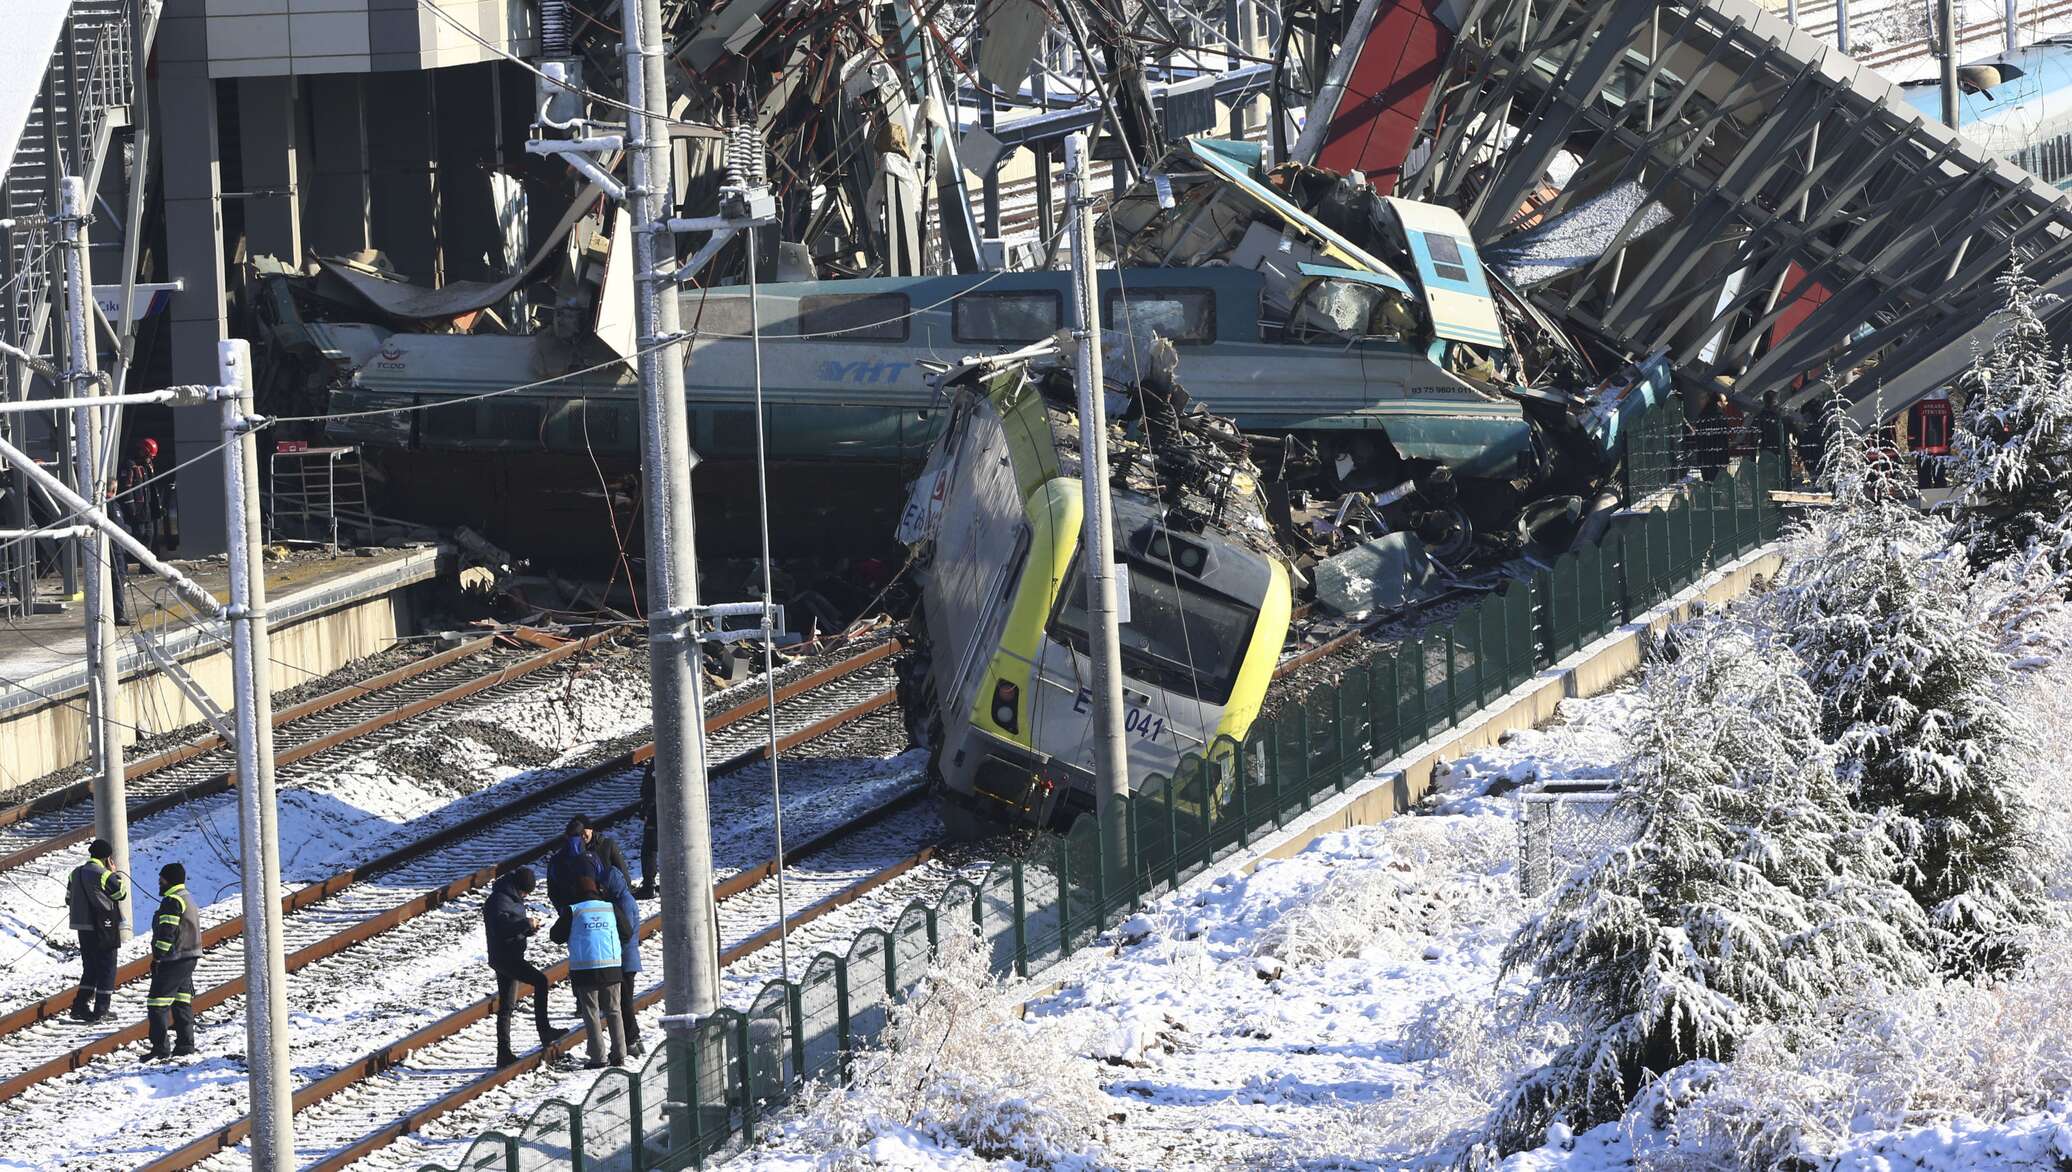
(1447, 261)
(448, 423)
(727, 317)
(596, 425)
(1006, 317)
(1184, 316)
(515, 423)
(1182, 637)
(856, 317)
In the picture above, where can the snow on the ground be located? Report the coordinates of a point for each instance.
(341, 1009)
(357, 808)
(1344, 1009)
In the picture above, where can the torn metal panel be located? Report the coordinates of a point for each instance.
(1388, 573)
(401, 299)
(1010, 33)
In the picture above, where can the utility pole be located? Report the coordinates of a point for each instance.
(1096, 544)
(1946, 32)
(103, 680)
(266, 976)
(2011, 20)
(1842, 25)
(690, 928)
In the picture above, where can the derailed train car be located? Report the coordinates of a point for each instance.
(1001, 692)
(1367, 345)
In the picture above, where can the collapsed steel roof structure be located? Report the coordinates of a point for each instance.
(1822, 236)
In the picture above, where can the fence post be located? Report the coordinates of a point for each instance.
(1345, 732)
(1172, 835)
(795, 1002)
(1021, 925)
(1452, 672)
(633, 1098)
(511, 1153)
(1273, 775)
(747, 1080)
(842, 1008)
(577, 1158)
(1241, 775)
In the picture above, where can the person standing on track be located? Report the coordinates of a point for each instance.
(96, 896)
(620, 892)
(175, 948)
(594, 955)
(570, 864)
(650, 835)
(509, 925)
(609, 856)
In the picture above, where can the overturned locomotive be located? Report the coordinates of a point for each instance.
(1001, 692)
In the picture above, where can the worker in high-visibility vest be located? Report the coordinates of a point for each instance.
(175, 949)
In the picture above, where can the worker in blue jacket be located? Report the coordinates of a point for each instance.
(595, 952)
(620, 892)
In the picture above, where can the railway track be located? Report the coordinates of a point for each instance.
(447, 1075)
(206, 766)
(443, 1068)
(352, 907)
(362, 1105)
(406, 902)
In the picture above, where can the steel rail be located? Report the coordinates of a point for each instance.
(139, 968)
(227, 780)
(80, 791)
(392, 1055)
(400, 914)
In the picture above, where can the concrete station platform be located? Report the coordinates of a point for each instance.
(324, 610)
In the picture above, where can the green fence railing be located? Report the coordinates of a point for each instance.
(702, 1095)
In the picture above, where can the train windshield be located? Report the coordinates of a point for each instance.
(1182, 637)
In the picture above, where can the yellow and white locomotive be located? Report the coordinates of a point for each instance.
(1002, 691)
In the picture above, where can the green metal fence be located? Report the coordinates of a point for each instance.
(698, 1097)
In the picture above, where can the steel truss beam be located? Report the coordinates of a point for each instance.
(1821, 234)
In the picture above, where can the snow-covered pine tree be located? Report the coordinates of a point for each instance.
(2011, 456)
(1873, 600)
(1752, 889)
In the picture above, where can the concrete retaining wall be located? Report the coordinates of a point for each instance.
(315, 631)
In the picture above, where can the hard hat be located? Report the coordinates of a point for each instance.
(149, 447)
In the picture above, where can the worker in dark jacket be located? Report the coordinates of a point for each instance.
(509, 925)
(594, 958)
(650, 834)
(175, 949)
(96, 898)
(571, 863)
(620, 892)
(606, 849)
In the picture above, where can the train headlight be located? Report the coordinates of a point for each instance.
(1191, 558)
(1007, 706)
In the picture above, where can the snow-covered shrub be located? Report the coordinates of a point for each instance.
(1877, 1058)
(956, 1070)
(1753, 891)
(1874, 602)
(2011, 456)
